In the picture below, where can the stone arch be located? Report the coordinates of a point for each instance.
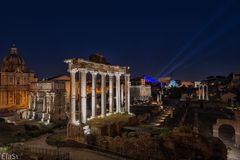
(235, 125)
(227, 132)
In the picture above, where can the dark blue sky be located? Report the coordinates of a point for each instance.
(202, 35)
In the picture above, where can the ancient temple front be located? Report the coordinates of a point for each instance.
(15, 81)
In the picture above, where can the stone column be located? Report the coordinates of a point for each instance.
(207, 98)
(47, 103)
(29, 105)
(34, 106)
(111, 93)
(122, 94)
(118, 109)
(35, 101)
(44, 103)
(83, 95)
(93, 94)
(33, 115)
(203, 94)
(127, 92)
(199, 92)
(73, 96)
(43, 108)
(53, 99)
(103, 94)
(43, 115)
(30, 101)
(52, 102)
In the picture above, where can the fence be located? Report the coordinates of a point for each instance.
(50, 153)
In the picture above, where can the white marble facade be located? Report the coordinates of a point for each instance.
(47, 101)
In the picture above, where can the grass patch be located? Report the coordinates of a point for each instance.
(114, 118)
(5, 149)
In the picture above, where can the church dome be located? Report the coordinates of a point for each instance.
(13, 62)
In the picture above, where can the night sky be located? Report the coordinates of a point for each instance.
(185, 39)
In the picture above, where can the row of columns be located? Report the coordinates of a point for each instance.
(119, 93)
(203, 92)
(47, 104)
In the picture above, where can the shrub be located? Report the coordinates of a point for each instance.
(185, 129)
(35, 133)
(132, 134)
(30, 127)
(55, 140)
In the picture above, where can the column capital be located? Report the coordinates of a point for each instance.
(37, 94)
(83, 70)
(47, 93)
(117, 74)
(110, 74)
(103, 73)
(94, 73)
(127, 74)
(74, 70)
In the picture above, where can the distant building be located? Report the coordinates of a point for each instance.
(15, 80)
(172, 83)
(229, 97)
(235, 83)
(197, 83)
(139, 90)
(165, 80)
(66, 79)
(202, 90)
(47, 101)
(98, 58)
(187, 84)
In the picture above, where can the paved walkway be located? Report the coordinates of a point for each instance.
(159, 120)
(75, 153)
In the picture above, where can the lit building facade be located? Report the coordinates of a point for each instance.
(14, 81)
(139, 90)
(47, 101)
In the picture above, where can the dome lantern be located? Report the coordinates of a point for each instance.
(13, 49)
